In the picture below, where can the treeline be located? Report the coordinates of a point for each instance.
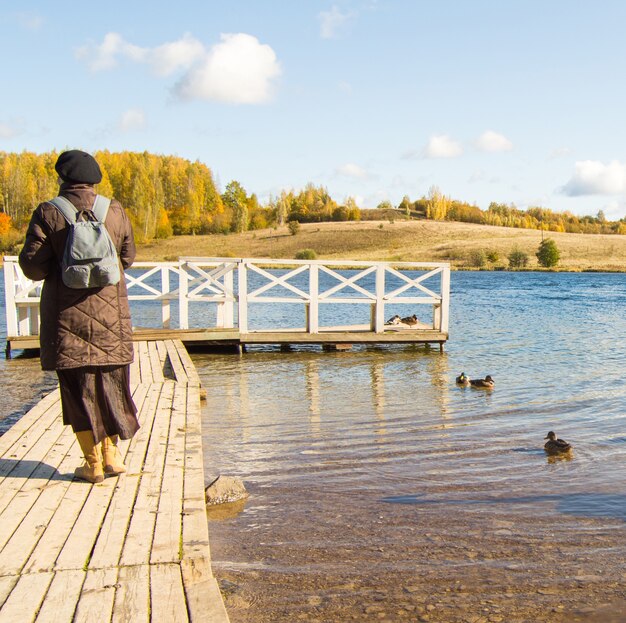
(438, 206)
(163, 195)
(168, 195)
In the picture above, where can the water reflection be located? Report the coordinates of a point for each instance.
(576, 504)
(377, 375)
(312, 376)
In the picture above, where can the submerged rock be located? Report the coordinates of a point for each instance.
(225, 489)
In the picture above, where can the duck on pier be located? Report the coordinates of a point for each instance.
(555, 445)
(463, 379)
(486, 383)
(410, 320)
(394, 320)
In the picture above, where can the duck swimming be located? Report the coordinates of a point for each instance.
(486, 383)
(555, 445)
(463, 379)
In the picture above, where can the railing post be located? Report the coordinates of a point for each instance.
(445, 299)
(242, 296)
(379, 310)
(165, 304)
(228, 307)
(183, 290)
(313, 320)
(9, 297)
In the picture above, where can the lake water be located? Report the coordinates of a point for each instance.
(382, 491)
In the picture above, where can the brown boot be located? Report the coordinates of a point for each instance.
(91, 470)
(112, 459)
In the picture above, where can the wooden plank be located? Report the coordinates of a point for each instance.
(20, 494)
(47, 499)
(60, 602)
(166, 366)
(112, 534)
(135, 376)
(76, 551)
(190, 369)
(177, 367)
(204, 599)
(167, 595)
(28, 429)
(155, 362)
(132, 598)
(162, 351)
(145, 369)
(60, 526)
(25, 599)
(195, 526)
(80, 542)
(139, 536)
(7, 582)
(35, 468)
(52, 541)
(349, 337)
(96, 598)
(37, 416)
(168, 527)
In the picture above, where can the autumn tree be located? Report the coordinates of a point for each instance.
(236, 200)
(548, 254)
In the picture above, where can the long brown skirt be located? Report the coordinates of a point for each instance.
(98, 398)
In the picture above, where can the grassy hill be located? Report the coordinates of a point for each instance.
(417, 241)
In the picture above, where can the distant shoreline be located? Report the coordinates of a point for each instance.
(401, 241)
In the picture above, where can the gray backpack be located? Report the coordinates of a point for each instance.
(90, 257)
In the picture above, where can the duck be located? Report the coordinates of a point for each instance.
(486, 383)
(410, 320)
(463, 379)
(394, 320)
(555, 445)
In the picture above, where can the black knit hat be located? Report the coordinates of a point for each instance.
(78, 167)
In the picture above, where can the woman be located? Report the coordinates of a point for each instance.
(85, 334)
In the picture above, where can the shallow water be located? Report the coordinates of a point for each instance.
(382, 491)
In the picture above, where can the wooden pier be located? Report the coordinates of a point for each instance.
(133, 548)
(231, 297)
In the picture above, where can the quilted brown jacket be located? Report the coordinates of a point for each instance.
(89, 327)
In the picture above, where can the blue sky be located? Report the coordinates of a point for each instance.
(511, 101)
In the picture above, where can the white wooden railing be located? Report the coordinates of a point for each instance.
(228, 283)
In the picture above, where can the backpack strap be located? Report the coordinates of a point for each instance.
(69, 211)
(66, 208)
(101, 207)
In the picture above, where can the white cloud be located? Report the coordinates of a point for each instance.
(238, 70)
(30, 20)
(596, 178)
(479, 175)
(345, 87)
(358, 200)
(105, 56)
(181, 54)
(442, 146)
(8, 131)
(559, 152)
(352, 170)
(332, 21)
(165, 59)
(492, 141)
(132, 119)
(614, 210)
